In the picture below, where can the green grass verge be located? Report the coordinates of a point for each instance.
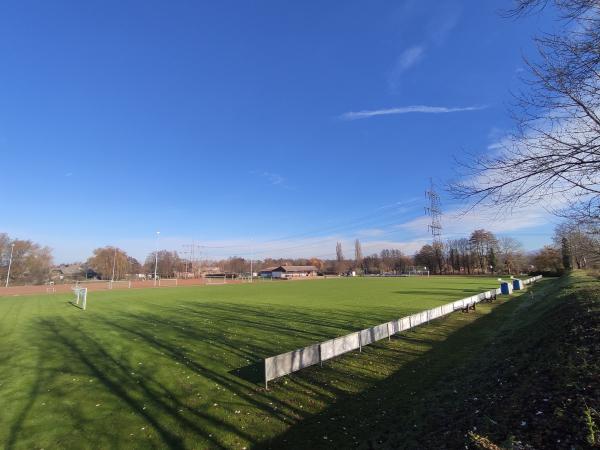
(180, 367)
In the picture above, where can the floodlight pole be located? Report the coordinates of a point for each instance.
(114, 263)
(12, 248)
(156, 258)
(251, 271)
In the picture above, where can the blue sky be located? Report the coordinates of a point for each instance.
(250, 127)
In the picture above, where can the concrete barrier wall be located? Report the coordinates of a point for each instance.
(286, 363)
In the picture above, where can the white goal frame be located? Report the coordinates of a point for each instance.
(50, 289)
(80, 297)
(119, 284)
(415, 271)
(168, 282)
(216, 280)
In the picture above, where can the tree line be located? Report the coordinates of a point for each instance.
(29, 262)
(575, 245)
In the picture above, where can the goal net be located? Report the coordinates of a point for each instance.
(93, 284)
(216, 279)
(119, 284)
(413, 271)
(167, 282)
(80, 299)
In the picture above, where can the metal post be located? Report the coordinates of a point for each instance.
(156, 258)
(114, 263)
(192, 258)
(12, 248)
(265, 372)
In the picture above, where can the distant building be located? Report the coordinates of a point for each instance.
(289, 272)
(67, 271)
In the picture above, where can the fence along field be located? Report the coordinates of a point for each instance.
(103, 285)
(287, 363)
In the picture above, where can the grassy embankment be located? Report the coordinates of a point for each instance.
(524, 373)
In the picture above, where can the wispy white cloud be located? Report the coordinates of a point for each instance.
(437, 28)
(409, 57)
(458, 223)
(272, 178)
(370, 232)
(365, 114)
(440, 27)
(407, 236)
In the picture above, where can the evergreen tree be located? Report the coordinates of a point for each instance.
(492, 259)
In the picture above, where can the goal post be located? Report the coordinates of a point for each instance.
(167, 282)
(124, 284)
(245, 278)
(80, 299)
(415, 271)
(216, 279)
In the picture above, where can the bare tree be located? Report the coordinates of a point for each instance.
(358, 255)
(371, 264)
(511, 254)
(582, 242)
(554, 154)
(339, 257)
(548, 259)
(168, 263)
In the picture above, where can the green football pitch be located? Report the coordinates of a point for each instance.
(181, 367)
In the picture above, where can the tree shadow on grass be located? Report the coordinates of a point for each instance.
(25, 410)
(221, 345)
(252, 373)
(80, 348)
(395, 409)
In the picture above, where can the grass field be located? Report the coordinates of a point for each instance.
(180, 367)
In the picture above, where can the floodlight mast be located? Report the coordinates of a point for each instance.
(156, 258)
(251, 271)
(192, 258)
(12, 248)
(114, 263)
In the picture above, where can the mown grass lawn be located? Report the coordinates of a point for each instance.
(180, 367)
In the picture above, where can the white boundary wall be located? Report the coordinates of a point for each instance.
(286, 363)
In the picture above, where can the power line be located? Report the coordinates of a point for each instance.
(369, 219)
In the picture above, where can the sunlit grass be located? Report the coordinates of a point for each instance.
(180, 367)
